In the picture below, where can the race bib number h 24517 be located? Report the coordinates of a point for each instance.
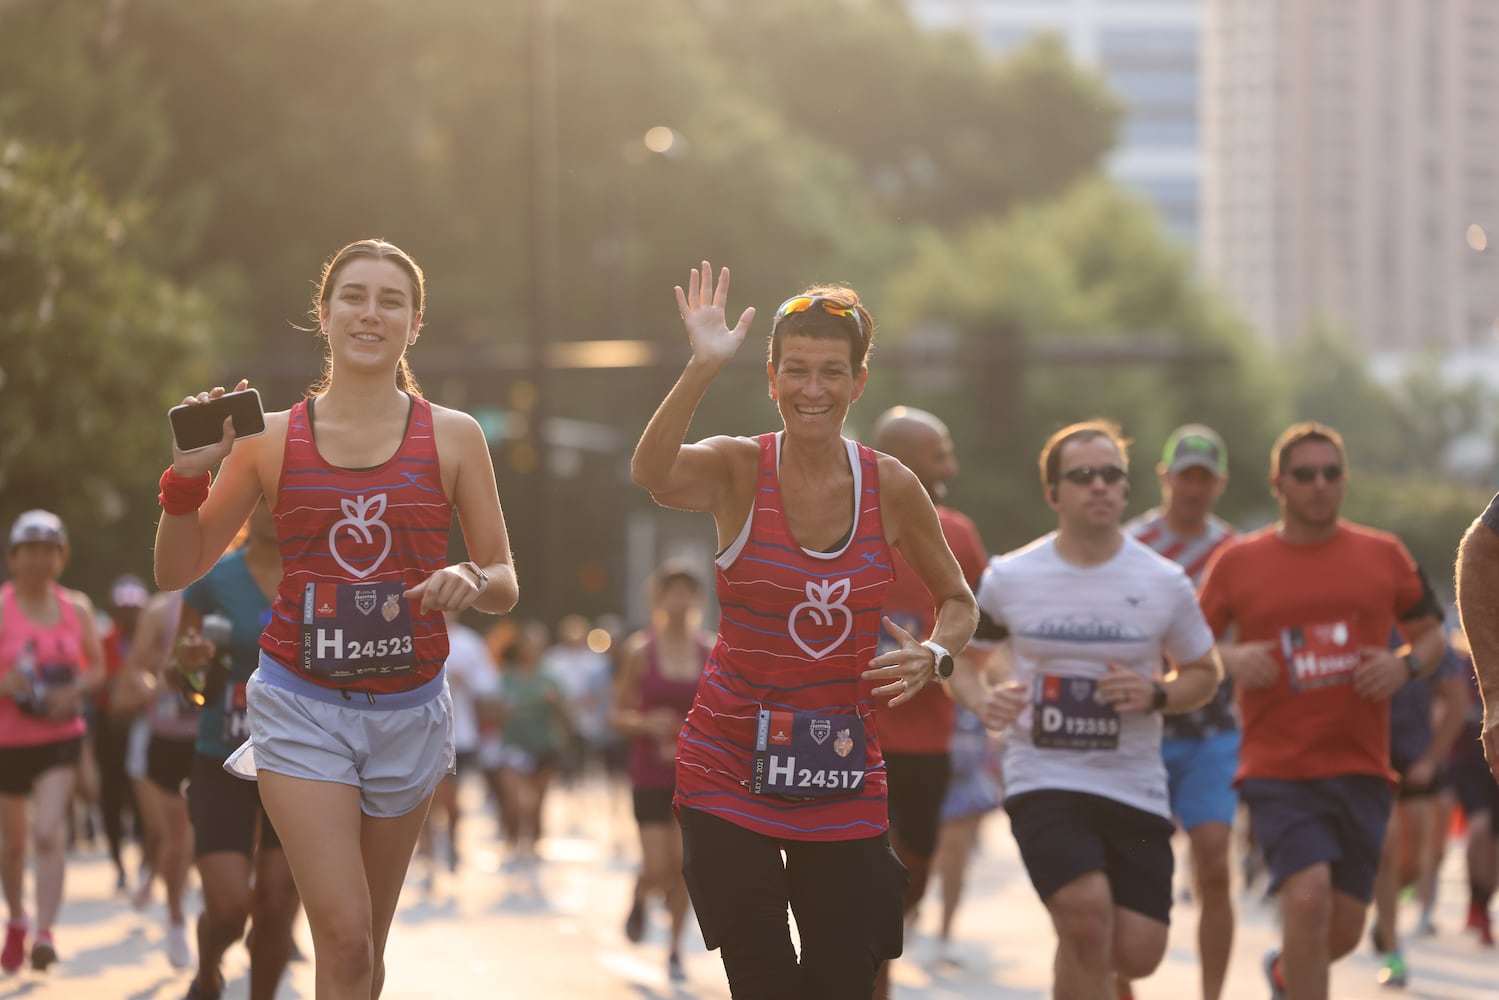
(808, 755)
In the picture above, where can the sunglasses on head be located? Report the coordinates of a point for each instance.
(829, 304)
(1083, 475)
(1307, 473)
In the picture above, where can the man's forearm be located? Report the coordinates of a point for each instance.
(1478, 606)
(1191, 686)
(1452, 705)
(969, 685)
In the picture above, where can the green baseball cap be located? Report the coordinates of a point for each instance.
(1195, 445)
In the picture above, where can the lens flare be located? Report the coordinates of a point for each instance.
(660, 139)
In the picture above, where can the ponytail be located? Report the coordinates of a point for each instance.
(405, 381)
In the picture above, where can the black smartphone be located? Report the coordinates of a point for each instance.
(199, 425)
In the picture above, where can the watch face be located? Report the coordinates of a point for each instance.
(944, 666)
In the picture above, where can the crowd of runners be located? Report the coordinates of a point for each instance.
(289, 713)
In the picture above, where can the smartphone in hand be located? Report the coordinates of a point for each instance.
(198, 425)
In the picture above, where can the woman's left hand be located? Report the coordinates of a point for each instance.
(907, 668)
(449, 589)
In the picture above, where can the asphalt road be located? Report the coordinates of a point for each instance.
(557, 932)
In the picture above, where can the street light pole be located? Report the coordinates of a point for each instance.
(542, 224)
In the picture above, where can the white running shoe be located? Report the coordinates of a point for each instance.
(179, 952)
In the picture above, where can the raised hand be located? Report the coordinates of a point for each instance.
(702, 307)
(190, 464)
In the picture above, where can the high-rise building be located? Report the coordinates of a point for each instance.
(1351, 167)
(1147, 50)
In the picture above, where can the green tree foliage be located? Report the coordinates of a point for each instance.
(1070, 309)
(1428, 515)
(815, 141)
(65, 81)
(940, 132)
(1330, 382)
(806, 154)
(93, 344)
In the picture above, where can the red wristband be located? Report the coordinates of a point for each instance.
(182, 494)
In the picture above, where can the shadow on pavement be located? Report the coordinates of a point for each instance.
(21, 988)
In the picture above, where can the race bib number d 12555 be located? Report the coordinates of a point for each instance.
(808, 755)
(352, 630)
(1068, 714)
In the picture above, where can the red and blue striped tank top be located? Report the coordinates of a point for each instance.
(350, 539)
(796, 630)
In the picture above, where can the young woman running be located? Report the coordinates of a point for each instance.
(349, 717)
(653, 693)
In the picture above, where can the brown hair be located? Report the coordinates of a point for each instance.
(1086, 430)
(1307, 430)
(821, 324)
(375, 249)
(674, 571)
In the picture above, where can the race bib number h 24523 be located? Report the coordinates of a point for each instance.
(354, 630)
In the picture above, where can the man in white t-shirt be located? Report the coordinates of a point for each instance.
(586, 680)
(1089, 613)
(472, 676)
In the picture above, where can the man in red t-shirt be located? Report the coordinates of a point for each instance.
(1314, 599)
(915, 737)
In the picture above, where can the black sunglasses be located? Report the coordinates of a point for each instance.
(1307, 473)
(1083, 475)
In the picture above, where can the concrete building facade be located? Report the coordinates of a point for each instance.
(1350, 167)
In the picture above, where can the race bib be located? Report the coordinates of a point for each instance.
(353, 630)
(236, 727)
(1319, 655)
(808, 755)
(1069, 714)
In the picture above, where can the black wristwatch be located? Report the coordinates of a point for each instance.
(1158, 699)
(1412, 664)
(942, 661)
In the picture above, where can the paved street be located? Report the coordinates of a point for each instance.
(557, 933)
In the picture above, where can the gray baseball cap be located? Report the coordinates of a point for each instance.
(1195, 445)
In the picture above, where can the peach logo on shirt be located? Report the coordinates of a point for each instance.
(819, 615)
(362, 550)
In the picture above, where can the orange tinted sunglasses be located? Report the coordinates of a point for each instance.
(837, 307)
